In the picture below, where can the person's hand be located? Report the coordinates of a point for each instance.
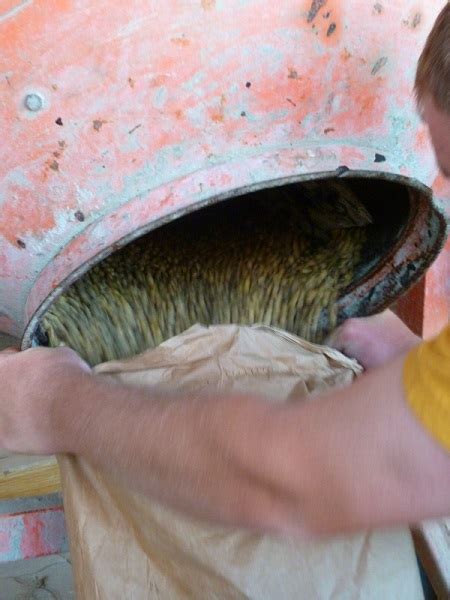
(373, 341)
(33, 386)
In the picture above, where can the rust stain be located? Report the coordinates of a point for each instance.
(131, 82)
(54, 165)
(24, 215)
(441, 186)
(208, 4)
(329, 29)
(378, 8)
(158, 80)
(365, 108)
(328, 130)
(181, 41)
(422, 139)
(367, 104)
(98, 124)
(179, 114)
(316, 5)
(345, 55)
(61, 147)
(219, 116)
(307, 102)
(293, 74)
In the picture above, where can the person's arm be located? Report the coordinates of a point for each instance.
(355, 458)
(373, 341)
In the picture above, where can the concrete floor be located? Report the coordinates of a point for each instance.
(48, 578)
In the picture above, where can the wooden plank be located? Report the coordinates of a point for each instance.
(426, 308)
(24, 476)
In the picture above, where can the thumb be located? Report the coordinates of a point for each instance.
(333, 340)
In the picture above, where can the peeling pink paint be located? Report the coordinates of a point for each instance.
(5, 543)
(32, 534)
(149, 108)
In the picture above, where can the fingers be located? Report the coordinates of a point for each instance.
(334, 339)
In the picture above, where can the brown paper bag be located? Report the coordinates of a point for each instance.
(126, 546)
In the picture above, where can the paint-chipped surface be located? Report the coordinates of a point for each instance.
(32, 534)
(139, 109)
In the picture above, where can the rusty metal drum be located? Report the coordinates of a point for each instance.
(119, 116)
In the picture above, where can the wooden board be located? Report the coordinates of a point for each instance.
(426, 308)
(25, 476)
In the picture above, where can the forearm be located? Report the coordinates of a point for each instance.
(201, 455)
(353, 459)
(370, 462)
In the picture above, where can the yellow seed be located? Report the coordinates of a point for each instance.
(282, 259)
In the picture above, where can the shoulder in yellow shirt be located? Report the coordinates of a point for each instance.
(427, 383)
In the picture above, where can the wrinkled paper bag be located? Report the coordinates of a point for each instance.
(125, 546)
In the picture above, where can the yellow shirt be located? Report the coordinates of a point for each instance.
(427, 382)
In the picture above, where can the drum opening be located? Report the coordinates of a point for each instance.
(261, 257)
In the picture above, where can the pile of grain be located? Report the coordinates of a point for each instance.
(281, 257)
